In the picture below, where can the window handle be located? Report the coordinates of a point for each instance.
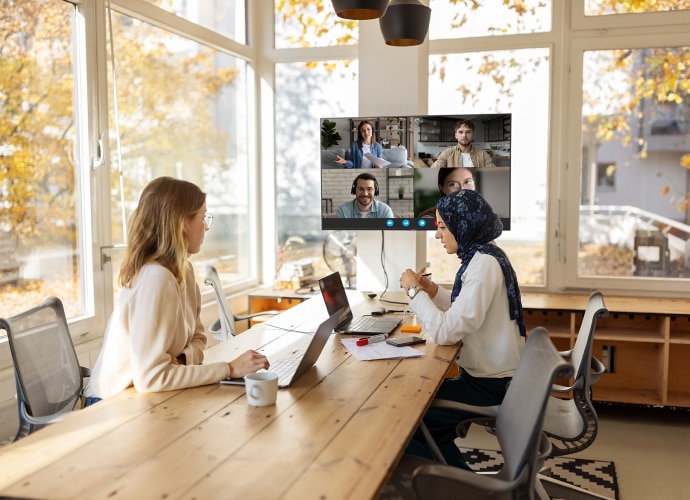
(99, 159)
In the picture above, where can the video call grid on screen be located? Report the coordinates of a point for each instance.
(410, 145)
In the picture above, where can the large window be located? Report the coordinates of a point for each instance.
(462, 19)
(227, 17)
(608, 7)
(636, 130)
(324, 90)
(42, 225)
(514, 82)
(182, 112)
(305, 23)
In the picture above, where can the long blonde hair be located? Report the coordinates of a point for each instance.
(156, 227)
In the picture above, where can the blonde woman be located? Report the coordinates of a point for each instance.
(155, 340)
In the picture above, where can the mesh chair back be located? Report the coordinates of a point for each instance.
(572, 423)
(224, 328)
(49, 378)
(521, 415)
(582, 351)
(519, 420)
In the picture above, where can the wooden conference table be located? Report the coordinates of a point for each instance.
(337, 432)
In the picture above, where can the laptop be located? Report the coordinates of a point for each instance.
(290, 369)
(335, 298)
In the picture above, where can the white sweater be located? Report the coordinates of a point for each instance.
(154, 321)
(479, 317)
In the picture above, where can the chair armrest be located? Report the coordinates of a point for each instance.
(252, 315)
(48, 419)
(486, 411)
(566, 354)
(445, 481)
(597, 368)
(486, 415)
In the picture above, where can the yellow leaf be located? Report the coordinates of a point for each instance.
(685, 161)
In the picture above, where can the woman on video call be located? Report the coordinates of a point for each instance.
(483, 310)
(365, 143)
(155, 340)
(451, 180)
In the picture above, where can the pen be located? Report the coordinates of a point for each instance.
(372, 339)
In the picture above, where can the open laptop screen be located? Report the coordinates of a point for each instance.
(335, 297)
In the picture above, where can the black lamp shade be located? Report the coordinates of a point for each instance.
(360, 9)
(405, 23)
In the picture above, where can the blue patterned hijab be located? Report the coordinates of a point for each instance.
(475, 225)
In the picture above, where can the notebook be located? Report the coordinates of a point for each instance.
(290, 369)
(335, 298)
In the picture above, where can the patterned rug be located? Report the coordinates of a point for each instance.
(593, 475)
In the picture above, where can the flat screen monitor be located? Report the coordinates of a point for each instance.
(410, 164)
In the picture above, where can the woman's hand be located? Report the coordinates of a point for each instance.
(340, 160)
(410, 279)
(248, 362)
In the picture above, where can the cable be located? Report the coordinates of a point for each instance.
(383, 265)
(393, 302)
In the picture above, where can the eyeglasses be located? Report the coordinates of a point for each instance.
(457, 186)
(208, 220)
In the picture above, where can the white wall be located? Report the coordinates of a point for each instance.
(395, 72)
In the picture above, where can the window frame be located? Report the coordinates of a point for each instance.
(151, 14)
(656, 34)
(670, 19)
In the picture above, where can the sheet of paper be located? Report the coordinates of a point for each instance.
(379, 350)
(379, 162)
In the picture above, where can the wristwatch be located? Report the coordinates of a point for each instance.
(412, 292)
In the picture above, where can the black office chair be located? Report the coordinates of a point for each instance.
(48, 376)
(518, 423)
(224, 327)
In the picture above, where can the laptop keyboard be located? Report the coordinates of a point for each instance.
(365, 324)
(285, 369)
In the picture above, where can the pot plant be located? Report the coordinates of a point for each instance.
(401, 191)
(329, 135)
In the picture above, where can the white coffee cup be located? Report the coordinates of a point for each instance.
(262, 388)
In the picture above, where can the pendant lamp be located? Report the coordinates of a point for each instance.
(360, 9)
(405, 23)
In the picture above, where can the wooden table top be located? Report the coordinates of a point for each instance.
(337, 432)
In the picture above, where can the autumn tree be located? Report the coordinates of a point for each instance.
(166, 117)
(660, 80)
(37, 127)
(163, 113)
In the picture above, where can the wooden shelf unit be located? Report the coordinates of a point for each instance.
(269, 299)
(650, 339)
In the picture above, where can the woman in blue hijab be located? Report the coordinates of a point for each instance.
(483, 311)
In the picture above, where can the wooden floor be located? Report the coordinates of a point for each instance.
(650, 448)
